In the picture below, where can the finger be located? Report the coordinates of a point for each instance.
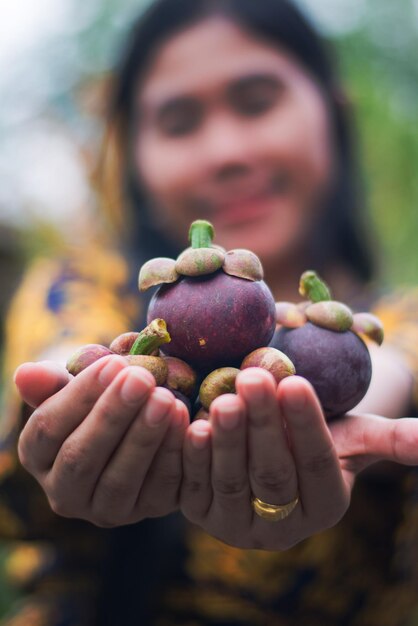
(56, 418)
(160, 492)
(379, 438)
(196, 489)
(231, 506)
(38, 381)
(323, 494)
(273, 474)
(116, 492)
(88, 449)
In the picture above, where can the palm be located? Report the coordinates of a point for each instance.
(315, 460)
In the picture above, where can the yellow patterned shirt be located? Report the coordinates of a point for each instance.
(362, 572)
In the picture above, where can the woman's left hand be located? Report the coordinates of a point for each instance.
(273, 443)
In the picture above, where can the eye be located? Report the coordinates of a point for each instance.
(254, 96)
(179, 117)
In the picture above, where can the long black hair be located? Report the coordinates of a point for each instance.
(343, 233)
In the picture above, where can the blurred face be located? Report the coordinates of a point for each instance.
(233, 130)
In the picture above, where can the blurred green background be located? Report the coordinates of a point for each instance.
(57, 54)
(54, 59)
(380, 67)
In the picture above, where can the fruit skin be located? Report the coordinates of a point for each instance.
(123, 343)
(85, 356)
(180, 377)
(218, 382)
(180, 396)
(274, 361)
(337, 364)
(154, 364)
(214, 320)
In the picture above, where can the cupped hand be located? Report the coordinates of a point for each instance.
(273, 443)
(104, 445)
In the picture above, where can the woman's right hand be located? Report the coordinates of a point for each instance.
(104, 445)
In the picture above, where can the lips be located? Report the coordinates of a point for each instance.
(243, 210)
(245, 203)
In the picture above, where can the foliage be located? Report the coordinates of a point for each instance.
(383, 86)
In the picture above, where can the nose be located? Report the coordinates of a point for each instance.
(225, 148)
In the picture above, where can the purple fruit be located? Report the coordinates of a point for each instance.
(215, 319)
(85, 356)
(154, 364)
(123, 343)
(336, 363)
(180, 377)
(180, 396)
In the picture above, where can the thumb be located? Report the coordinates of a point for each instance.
(368, 438)
(38, 381)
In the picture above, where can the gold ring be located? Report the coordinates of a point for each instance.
(273, 512)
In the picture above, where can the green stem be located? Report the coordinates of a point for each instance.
(151, 338)
(313, 288)
(201, 234)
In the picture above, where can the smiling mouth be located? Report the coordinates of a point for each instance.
(240, 197)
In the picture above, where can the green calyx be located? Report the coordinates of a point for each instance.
(312, 287)
(201, 234)
(330, 314)
(199, 261)
(151, 338)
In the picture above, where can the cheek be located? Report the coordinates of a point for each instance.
(166, 173)
(163, 170)
(319, 148)
(315, 144)
(300, 140)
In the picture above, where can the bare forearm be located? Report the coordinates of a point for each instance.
(390, 391)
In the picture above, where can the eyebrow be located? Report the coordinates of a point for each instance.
(159, 109)
(252, 81)
(173, 103)
(164, 106)
(249, 80)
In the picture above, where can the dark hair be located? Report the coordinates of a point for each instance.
(342, 233)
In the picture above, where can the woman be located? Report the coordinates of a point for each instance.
(227, 110)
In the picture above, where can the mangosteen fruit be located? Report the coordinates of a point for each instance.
(218, 309)
(139, 348)
(142, 349)
(321, 339)
(85, 356)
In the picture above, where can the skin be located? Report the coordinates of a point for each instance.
(107, 458)
(84, 443)
(89, 435)
(249, 147)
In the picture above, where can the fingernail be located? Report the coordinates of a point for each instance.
(254, 391)
(109, 371)
(200, 434)
(178, 416)
(228, 417)
(55, 368)
(20, 368)
(296, 400)
(157, 409)
(134, 387)
(52, 366)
